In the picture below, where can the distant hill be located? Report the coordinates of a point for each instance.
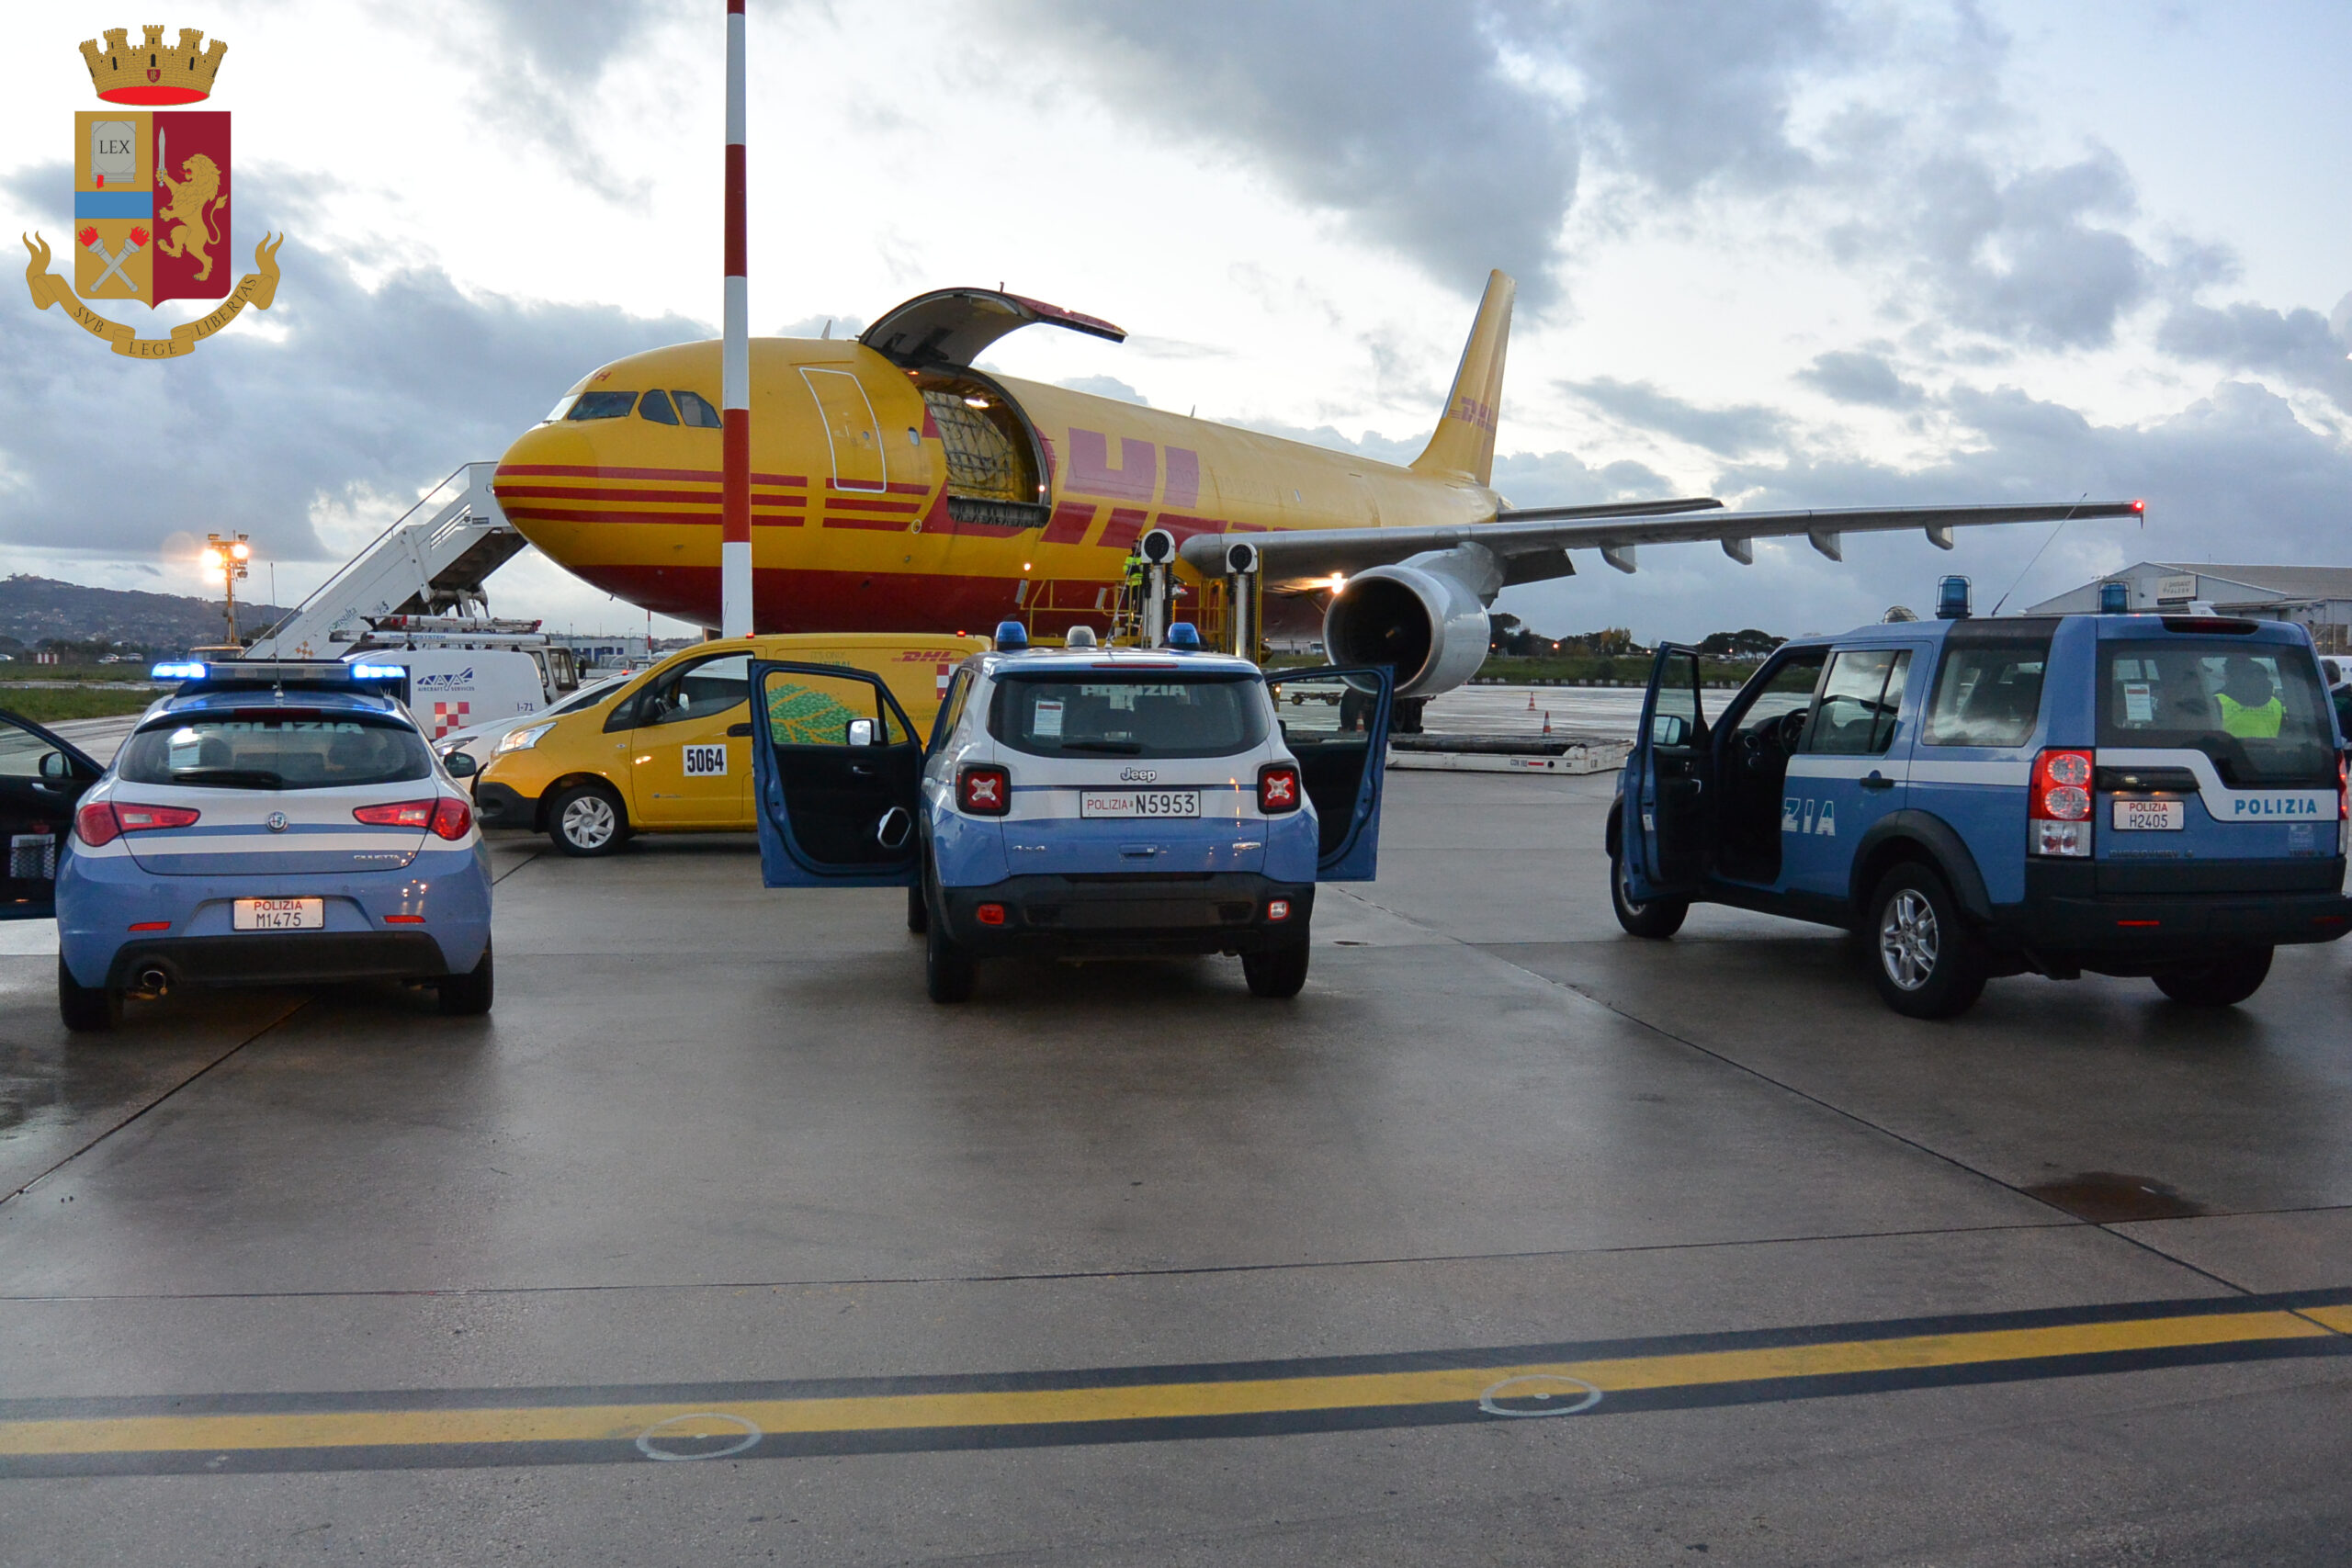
(34, 610)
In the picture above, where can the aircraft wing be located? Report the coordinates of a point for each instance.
(1533, 545)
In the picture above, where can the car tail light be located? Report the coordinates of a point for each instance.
(405, 814)
(990, 913)
(1277, 788)
(2343, 788)
(108, 820)
(2059, 803)
(983, 791)
(451, 817)
(1277, 909)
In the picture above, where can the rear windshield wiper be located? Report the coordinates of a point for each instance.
(230, 778)
(1120, 748)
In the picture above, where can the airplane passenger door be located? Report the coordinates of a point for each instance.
(837, 772)
(690, 749)
(856, 434)
(1670, 797)
(1336, 723)
(42, 780)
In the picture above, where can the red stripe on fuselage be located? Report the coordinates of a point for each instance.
(707, 518)
(608, 493)
(702, 476)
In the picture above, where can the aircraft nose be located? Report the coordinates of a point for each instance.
(537, 476)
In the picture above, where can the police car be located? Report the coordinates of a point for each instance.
(2159, 796)
(270, 823)
(1080, 801)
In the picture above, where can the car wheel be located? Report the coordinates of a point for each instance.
(2223, 983)
(1927, 960)
(588, 820)
(87, 1010)
(1277, 972)
(917, 912)
(470, 995)
(1658, 919)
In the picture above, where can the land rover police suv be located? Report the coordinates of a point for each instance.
(272, 823)
(2160, 795)
(1080, 801)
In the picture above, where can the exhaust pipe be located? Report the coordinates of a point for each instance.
(153, 982)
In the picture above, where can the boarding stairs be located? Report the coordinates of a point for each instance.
(432, 561)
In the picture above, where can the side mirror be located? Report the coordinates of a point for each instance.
(891, 831)
(54, 766)
(1669, 729)
(460, 765)
(861, 732)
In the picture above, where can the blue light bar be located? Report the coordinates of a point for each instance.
(1011, 636)
(378, 673)
(189, 670)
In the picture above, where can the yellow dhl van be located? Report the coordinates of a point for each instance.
(671, 751)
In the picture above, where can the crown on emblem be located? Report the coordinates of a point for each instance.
(151, 74)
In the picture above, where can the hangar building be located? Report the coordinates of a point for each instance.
(2319, 597)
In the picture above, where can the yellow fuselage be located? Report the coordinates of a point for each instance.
(856, 492)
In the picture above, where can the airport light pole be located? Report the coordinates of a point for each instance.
(228, 555)
(735, 368)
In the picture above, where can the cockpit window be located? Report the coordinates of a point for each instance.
(602, 405)
(562, 406)
(655, 406)
(695, 409)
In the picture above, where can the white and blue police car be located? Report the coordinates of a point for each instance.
(1080, 801)
(2158, 796)
(272, 823)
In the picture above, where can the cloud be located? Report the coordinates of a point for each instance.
(1696, 92)
(1398, 115)
(2299, 347)
(1563, 478)
(1726, 432)
(1379, 448)
(2022, 258)
(338, 400)
(571, 42)
(1852, 377)
(1106, 387)
(819, 324)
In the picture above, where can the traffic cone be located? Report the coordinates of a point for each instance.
(1547, 721)
(1531, 699)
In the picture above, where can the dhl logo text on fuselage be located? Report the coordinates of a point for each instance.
(890, 498)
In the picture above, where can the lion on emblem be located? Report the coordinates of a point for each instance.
(185, 224)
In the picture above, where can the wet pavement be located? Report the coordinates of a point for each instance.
(1117, 1264)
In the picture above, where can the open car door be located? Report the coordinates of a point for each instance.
(837, 772)
(42, 780)
(1671, 775)
(1336, 723)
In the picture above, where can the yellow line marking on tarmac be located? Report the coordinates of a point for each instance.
(2339, 1318)
(624, 1421)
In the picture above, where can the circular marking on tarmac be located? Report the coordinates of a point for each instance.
(694, 1429)
(1537, 1393)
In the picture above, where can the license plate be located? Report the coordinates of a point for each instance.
(278, 915)
(2151, 816)
(1139, 803)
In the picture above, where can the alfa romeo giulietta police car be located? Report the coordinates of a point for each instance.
(2159, 796)
(272, 823)
(1080, 801)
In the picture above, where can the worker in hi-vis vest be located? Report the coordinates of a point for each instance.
(2249, 702)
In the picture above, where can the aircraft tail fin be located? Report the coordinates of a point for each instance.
(1464, 444)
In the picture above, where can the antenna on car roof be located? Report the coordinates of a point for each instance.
(2038, 554)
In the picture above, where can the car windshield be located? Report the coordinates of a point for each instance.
(1141, 713)
(275, 752)
(2256, 709)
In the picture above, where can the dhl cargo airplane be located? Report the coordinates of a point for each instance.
(898, 488)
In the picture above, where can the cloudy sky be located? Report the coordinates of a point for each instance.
(1788, 252)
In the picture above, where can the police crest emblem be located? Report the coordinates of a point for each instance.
(152, 197)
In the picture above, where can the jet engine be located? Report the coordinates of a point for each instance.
(1426, 616)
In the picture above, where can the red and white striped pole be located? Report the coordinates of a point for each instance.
(735, 368)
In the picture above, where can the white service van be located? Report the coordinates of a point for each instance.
(456, 688)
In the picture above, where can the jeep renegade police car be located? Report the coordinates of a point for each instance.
(1080, 801)
(2132, 795)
